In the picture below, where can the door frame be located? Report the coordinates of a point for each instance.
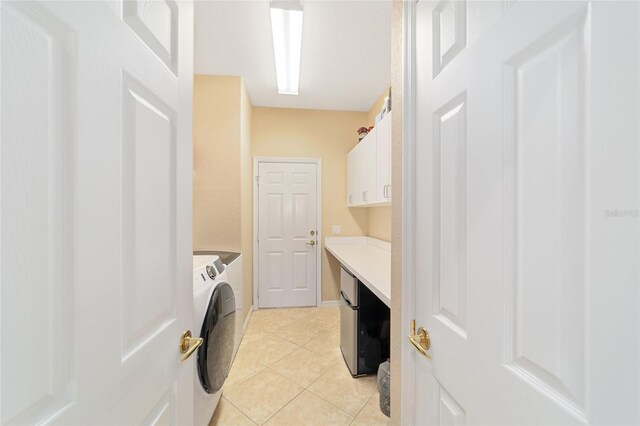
(407, 354)
(256, 250)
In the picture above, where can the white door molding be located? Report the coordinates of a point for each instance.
(256, 275)
(407, 411)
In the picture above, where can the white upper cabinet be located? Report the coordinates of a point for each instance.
(383, 161)
(351, 176)
(369, 168)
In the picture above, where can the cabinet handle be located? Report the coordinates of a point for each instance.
(387, 191)
(384, 191)
(350, 197)
(364, 196)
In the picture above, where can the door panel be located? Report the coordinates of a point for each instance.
(287, 209)
(450, 172)
(148, 189)
(39, 200)
(449, 411)
(156, 23)
(517, 176)
(96, 190)
(547, 207)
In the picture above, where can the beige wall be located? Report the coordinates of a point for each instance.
(222, 170)
(246, 193)
(379, 217)
(216, 159)
(329, 135)
(380, 223)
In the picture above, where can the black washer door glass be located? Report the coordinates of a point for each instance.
(218, 331)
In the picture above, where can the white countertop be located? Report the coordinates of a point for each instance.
(368, 259)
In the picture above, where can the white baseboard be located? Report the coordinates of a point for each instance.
(246, 320)
(330, 303)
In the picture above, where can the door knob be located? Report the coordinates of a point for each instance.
(420, 340)
(188, 344)
(311, 243)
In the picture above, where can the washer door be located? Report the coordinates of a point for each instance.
(218, 331)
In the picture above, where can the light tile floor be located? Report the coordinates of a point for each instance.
(289, 371)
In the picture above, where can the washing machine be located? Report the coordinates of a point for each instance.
(214, 308)
(232, 262)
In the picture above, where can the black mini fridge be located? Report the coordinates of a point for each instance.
(364, 326)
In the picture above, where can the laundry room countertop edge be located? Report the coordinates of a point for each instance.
(367, 258)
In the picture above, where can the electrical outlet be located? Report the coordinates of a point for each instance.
(336, 229)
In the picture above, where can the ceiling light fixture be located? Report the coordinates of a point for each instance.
(286, 27)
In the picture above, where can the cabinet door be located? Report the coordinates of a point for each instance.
(383, 161)
(370, 155)
(355, 176)
(369, 168)
(360, 172)
(351, 177)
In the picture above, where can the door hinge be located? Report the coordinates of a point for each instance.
(258, 180)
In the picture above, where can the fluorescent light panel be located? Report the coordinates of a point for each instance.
(286, 26)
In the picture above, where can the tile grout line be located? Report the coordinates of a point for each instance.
(365, 404)
(243, 413)
(314, 394)
(270, 333)
(281, 376)
(282, 408)
(307, 387)
(331, 403)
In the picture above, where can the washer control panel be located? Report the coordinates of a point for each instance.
(206, 270)
(211, 271)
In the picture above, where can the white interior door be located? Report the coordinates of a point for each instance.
(287, 234)
(96, 212)
(526, 243)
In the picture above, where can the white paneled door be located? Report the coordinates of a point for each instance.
(526, 241)
(287, 234)
(96, 212)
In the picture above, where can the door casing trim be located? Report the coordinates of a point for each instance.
(408, 365)
(256, 276)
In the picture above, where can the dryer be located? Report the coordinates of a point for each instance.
(214, 308)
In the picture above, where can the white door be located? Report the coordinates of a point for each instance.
(96, 212)
(525, 247)
(287, 234)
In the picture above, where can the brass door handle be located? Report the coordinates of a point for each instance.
(420, 340)
(188, 344)
(311, 243)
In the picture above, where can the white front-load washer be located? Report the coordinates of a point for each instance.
(214, 308)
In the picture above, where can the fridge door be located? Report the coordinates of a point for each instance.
(349, 286)
(349, 334)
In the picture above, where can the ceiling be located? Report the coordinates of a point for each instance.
(346, 49)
